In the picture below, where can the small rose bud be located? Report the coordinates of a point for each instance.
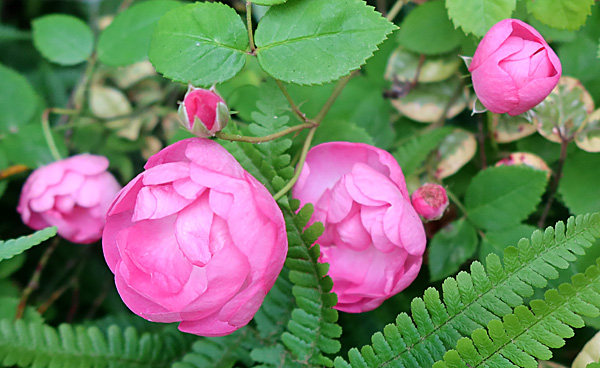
(430, 201)
(203, 112)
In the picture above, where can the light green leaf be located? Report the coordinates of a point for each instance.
(496, 241)
(478, 16)
(501, 197)
(268, 2)
(18, 101)
(315, 41)
(127, 39)
(201, 43)
(578, 187)
(427, 30)
(450, 247)
(12, 247)
(63, 39)
(561, 14)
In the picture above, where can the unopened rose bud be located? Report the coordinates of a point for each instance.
(430, 201)
(203, 112)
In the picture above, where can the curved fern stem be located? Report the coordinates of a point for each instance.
(472, 300)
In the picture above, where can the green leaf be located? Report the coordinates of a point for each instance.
(12, 247)
(499, 197)
(127, 39)
(18, 101)
(315, 41)
(427, 30)
(450, 248)
(478, 16)
(496, 241)
(578, 187)
(341, 130)
(268, 2)
(29, 147)
(201, 43)
(561, 14)
(412, 154)
(63, 39)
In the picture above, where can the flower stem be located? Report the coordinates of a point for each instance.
(299, 114)
(249, 23)
(35, 278)
(266, 138)
(395, 10)
(294, 179)
(48, 135)
(339, 87)
(554, 186)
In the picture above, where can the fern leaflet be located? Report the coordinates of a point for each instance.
(472, 300)
(13, 247)
(217, 352)
(33, 344)
(527, 334)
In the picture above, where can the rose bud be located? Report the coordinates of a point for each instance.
(203, 112)
(513, 68)
(430, 201)
(373, 239)
(195, 239)
(72, 194)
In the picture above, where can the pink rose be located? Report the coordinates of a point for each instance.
(513, 68)
(72, 194)
(373, 240)
(203, 112)
(430, 201)
(195, 239)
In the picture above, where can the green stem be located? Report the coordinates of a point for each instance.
(294, 179)
(334, 95)
(249, 23)
(554, 186)
(48, 136)
(395, 10)
(266, 138)
(457, 202)
(299, 114)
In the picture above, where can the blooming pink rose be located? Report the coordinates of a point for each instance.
(373, 240)
(513, 68)
(203, 112)
(72, 194)
(195, 239)
(430, 201)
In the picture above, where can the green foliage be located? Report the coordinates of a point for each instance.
(18, 106)
(496, 241)
(413, 153)
(63, 39)
(528, 334)
(427, 30)
(561, 14)
(336, 35)
(12, 247)
(478, 16)
(29, 147)
(217, 352)
(501, 197)
(268, 2)
(33, 344)
(450, 248)
(200, 43)
(472, 300)
(579, 187)
(127, 39)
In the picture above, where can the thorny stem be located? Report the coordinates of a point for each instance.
(294, 179)
(266, 138)
(395, 10)
(295, 109)
(35, 278)
(72, 282)
(556, 179)
(249, 23)
(481, 140)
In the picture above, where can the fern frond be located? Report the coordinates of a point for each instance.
(275, 311)
(32, 344)
(312, 329)
(528, 334)
(472, 300)
(217, 352)
(13, 247)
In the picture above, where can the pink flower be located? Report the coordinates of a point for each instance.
(203, 112)
(195, 239)
(72, 194)
(373, 240)
(430, 201)
(513, 68)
